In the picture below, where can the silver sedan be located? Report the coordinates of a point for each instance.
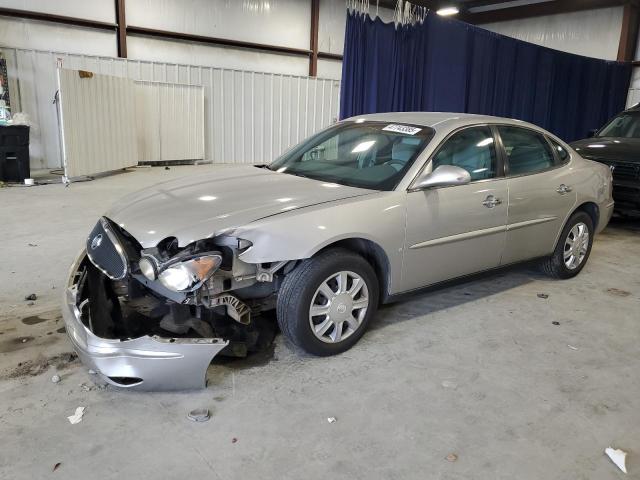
(370, 208)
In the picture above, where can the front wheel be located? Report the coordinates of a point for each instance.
(573, 248)
(325, 304)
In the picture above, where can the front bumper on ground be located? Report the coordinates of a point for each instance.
(144, 363)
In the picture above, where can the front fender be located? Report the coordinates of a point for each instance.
(299, 234)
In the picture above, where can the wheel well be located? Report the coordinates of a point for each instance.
(374, 254)
(592, 210)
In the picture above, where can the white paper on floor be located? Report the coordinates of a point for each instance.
(76, 417)
(617, 456)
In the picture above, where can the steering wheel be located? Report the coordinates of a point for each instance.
(397, 164)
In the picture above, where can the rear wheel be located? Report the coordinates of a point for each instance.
(573, 248)
(326, 303)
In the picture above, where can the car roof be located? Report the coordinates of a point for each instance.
(441, 120)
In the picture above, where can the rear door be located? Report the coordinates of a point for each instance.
(457, 230)
(541, 192)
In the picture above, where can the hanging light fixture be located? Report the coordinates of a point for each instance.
(448, 11)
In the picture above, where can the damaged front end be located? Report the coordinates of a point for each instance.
(153, 319)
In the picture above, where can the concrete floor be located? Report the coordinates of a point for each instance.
(478, 370)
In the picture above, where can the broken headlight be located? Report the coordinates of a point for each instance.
(190, 274)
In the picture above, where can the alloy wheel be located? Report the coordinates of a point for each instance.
(576, 246)
(338, 307)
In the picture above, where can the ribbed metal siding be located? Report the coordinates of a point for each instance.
(170, 121)
(99, 123)
(249, 117)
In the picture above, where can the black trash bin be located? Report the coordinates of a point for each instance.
(14, 153)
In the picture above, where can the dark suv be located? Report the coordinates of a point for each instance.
(617, 144)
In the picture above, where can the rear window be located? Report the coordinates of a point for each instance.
(527, 151)
(561, 152)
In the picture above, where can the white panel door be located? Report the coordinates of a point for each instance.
(97, 122)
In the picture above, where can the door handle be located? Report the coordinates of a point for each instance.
(562, 189)
(491, 201)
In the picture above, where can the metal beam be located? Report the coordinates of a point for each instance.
(225, 42)
(49, 17)
(313, 44)
(629, 32)
(536, 10)
(121, 29)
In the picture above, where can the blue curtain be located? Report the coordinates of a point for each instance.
(450, 66)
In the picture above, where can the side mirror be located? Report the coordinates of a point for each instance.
(443, 176)
(592, 133)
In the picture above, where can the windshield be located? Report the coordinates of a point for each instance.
(372, 155)
(625, 125)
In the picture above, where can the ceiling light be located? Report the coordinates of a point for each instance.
(445, 12)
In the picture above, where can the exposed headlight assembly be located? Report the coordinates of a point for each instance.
(183, 276)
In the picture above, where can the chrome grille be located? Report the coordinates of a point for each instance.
(625, 171)
(106, 252)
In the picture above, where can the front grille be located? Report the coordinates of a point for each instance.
(106, 252)
(625, 171)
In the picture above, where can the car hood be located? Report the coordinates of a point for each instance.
(608, 148)
(196, 207)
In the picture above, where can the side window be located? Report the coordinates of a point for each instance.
(563, 155)
(472, 149)
(527, 151)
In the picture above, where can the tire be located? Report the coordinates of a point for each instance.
(307, 285)
(555, 266)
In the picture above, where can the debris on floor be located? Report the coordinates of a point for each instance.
(55, 379)
(555, 323)
(332, 419)
(199, 415)
(32, 244)
(31, 296)
(543, 295)
(618, 457)
(55, 467)
(449, 384)
(572, 347)
(234, 440)
(617, 292)
(452, 457)
(76, 417)
(33, 368)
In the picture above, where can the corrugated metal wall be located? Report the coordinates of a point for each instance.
(98, 114)
(249, 117)
(170, 121)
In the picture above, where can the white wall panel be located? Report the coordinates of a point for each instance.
(634, 88)
(153, 49)
(63, 38)
(99, 123)
(100, 10)
(249, 117)
(170, 121)
(275, 22)
(593, 33)
(330, 69)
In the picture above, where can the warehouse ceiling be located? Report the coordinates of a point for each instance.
(486, 11)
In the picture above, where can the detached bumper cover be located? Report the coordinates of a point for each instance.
(144, 363)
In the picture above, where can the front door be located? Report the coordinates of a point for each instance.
(458, 230)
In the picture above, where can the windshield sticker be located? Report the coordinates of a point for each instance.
(406, 129)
